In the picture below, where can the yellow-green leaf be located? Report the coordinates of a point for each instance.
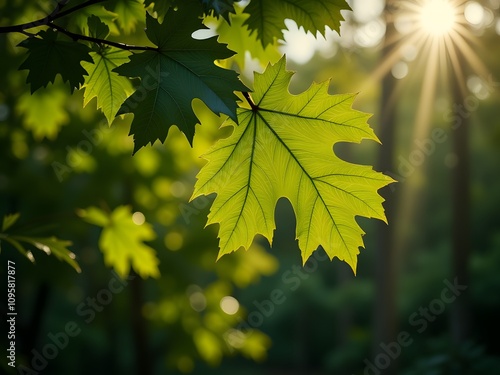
(44, 112)
(108, 87)
(283, 147)
(49, 245)
(54, 246)
(239, 39)
(122, 243)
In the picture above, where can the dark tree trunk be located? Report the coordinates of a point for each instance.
(139, 328)
(385, 316)
(460, 210)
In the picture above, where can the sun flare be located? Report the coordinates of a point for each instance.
(437, 17)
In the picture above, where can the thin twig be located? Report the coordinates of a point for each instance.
(124, 46)
(58, 13)
(54, 15)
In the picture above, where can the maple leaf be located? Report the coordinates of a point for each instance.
(181, 70)
(49, 57)
(97, 28)
(102, 83)
(81, 18)
(121, 241)
(238, 38)
(268, 17)
(44, 112)
(283, 148)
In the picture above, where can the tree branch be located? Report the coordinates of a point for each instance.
(58, 13)
(77, 7)
(54, 15)
(124, 46)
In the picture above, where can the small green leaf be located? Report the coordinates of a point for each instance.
(44, 112)
(9, 220)
(268, 17)
(97, 28)
(121, 241)
(80, 19)
(48, 57)
(49, 245)
(283, 148)
(181, 70)
(55, 246)
(94, 215)
(239, 39)
(18, 246)
(102, 83)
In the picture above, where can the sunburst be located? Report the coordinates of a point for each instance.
(445, 47)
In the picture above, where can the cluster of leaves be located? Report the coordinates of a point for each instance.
(49, 245)
(281, 145)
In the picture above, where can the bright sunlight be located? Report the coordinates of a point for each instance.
(437, 17)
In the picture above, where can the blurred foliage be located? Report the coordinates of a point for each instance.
(58, 158)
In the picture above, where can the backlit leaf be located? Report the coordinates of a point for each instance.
(283, 148)
(43, 112)
(102, 83)
(121, 241)
(239, 39)
(53, 246)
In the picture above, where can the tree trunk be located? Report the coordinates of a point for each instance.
(385, 318)
(460, 211)
(139, 328)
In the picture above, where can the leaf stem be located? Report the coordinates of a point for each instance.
(250, 101)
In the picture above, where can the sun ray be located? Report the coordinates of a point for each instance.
(438, 29)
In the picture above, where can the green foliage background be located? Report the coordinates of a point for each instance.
(325, 323)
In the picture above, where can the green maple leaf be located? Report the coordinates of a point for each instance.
(49, 56)
(283, 148)
(238, 38)
(267, 17)
(44, 112)
(102, 83)
(97, 28)
(180, 70)
(81, 18)
(121, 241)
